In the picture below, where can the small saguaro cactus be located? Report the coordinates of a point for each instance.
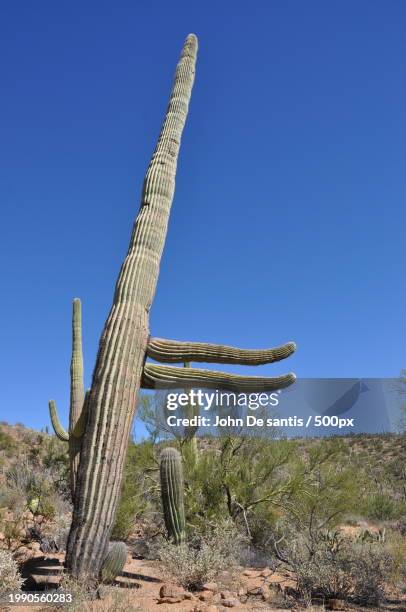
(77, 411)
(113, 562)
(171, 474)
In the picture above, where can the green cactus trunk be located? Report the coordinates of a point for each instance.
(114, 562)
(123, 344)
(172, 492)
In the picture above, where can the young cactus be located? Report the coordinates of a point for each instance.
(113, 562)
(171, 473)
(77, 411)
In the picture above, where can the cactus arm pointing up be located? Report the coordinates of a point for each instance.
(59, 430)
(77, 394)
(77, 408)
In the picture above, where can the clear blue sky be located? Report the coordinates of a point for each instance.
(289, 214)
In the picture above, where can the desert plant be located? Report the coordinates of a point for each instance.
(35, 486)
(200, 560)
(172, 491)
(77, 409)
(121, 367)
(7, 444)
(10, 578)
(113, 562)
(330, 565)
(140, 494)
(380, 507)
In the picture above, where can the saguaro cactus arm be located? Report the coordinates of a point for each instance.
(59, 429)
(174, 351)
(118, 370)
(156, 376)
(77, 407)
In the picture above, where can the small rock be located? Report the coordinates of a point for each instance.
(266, 572)
(206, 596)
(21, 552)
(225, 595)
(256, 591)
(210, 586)
(189, 596)
(230, 603)
(171, 590)
(241, 591)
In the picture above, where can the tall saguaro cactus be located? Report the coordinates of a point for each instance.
(120, 367)
(120, 360)
(77, 407)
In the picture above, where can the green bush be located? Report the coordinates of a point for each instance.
(139, 492)
(203, 557)
(7, 444)
(380, 507)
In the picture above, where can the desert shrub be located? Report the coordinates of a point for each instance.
(396, 545)
(55, 459)
(380, 507)
(7, 444)
(33, 488)
(57, 531)
(10, 578)
(329, 565)
(370, 569)
(12, 527)
(202, 558)
(139, 492)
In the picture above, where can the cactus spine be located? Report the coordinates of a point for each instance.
(77, 407)
(171, 474)
(113, 562)
(123, 344)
